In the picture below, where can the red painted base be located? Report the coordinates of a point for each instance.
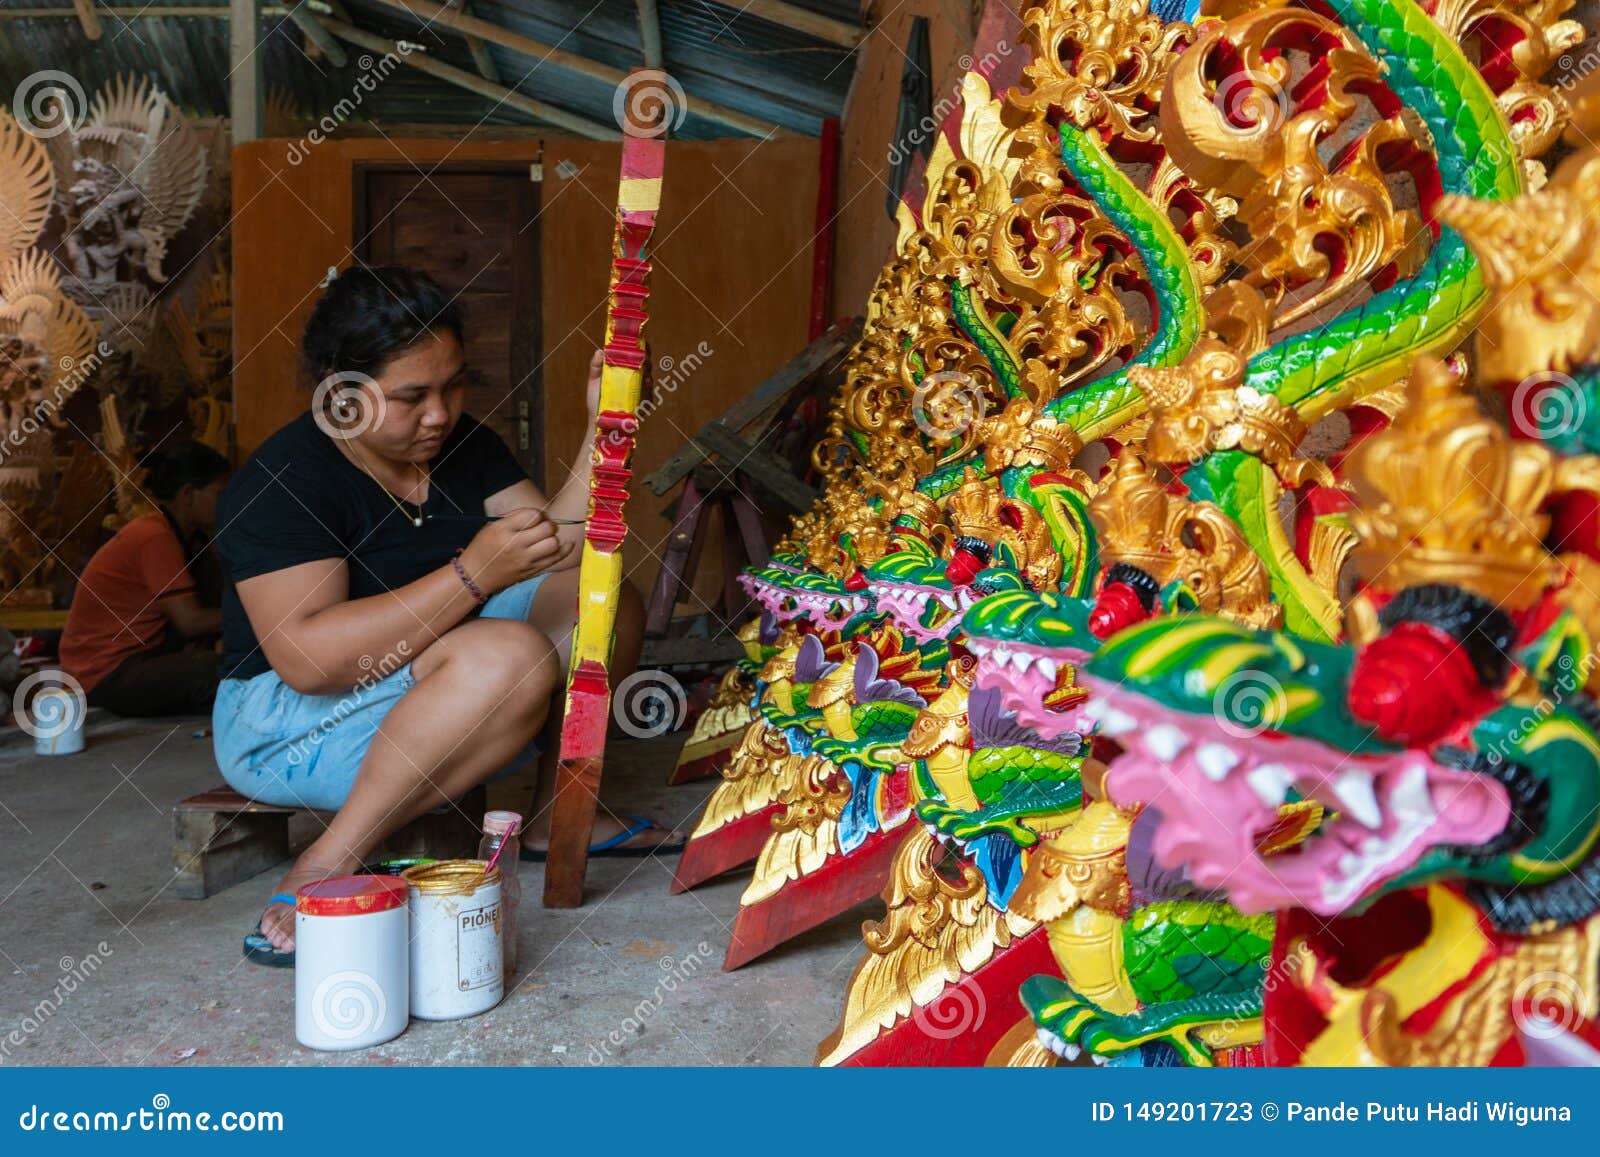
(724, 849)
(841, 883)
(703, 768)
(964, 1023)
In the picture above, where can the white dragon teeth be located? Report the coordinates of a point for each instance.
(1216, 761)
(1355, 793)
(1165, 741)
(1100, 1061)
(1054, 1043)
(1115, 722)
(1410, 800)
(1270, 782)
(1020, 661)
(1092, 709)
(1071, 1051)
(1047, 667)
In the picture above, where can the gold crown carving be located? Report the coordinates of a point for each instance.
(1446, 495)
(1201, 406)
(1131, 511)
(1020, 436)
(973, 510)
(1171, 538)
(1538, 256)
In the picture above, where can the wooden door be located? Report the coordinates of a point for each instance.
(472, 229)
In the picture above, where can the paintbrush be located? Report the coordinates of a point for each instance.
(495, 859)
(550, 518)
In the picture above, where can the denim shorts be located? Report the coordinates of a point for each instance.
(280, 747)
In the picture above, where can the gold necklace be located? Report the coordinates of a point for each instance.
(415, 520)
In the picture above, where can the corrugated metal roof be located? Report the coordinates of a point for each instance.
(715, 52)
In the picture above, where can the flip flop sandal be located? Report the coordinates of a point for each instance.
(614, 847)
(258, 949)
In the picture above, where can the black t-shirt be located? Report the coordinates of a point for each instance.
(298, 499)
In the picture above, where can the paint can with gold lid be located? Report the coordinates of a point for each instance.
(456, 926)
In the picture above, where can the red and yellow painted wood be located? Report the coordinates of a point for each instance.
(588, 702)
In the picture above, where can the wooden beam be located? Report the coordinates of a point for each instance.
(151, 12)
(760, 404)
(325, 41)
(758, 465)
(244, 76)
(417, 59)
(481, 58)
(838, 32)
(650, 33)
(87, 20)
(426, 11)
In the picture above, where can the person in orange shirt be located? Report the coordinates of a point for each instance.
(132, 632)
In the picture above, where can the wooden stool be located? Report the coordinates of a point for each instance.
(220, 838)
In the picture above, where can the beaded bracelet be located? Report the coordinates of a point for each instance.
(461, 573)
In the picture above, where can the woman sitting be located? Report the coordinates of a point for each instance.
(138, 638)
(400, 595)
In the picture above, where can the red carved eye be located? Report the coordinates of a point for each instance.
(1414, 685)
(1117, 606)
(962, 568)
(1011, 516)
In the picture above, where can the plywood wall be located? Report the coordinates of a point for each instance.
(865, 231)
(729, 296)
(293, 218)
(731, 289)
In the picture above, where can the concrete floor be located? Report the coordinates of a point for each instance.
(87, 843)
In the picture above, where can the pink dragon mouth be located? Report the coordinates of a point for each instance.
(907, 604)
(827, 612)
(1219, 790)
(1024, 675)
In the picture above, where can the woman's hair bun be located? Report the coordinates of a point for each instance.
(368, 315)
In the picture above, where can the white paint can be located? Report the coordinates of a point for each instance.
(57, 716)
(351, 967)
(456, 927)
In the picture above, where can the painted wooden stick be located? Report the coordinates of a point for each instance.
(588, 705)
